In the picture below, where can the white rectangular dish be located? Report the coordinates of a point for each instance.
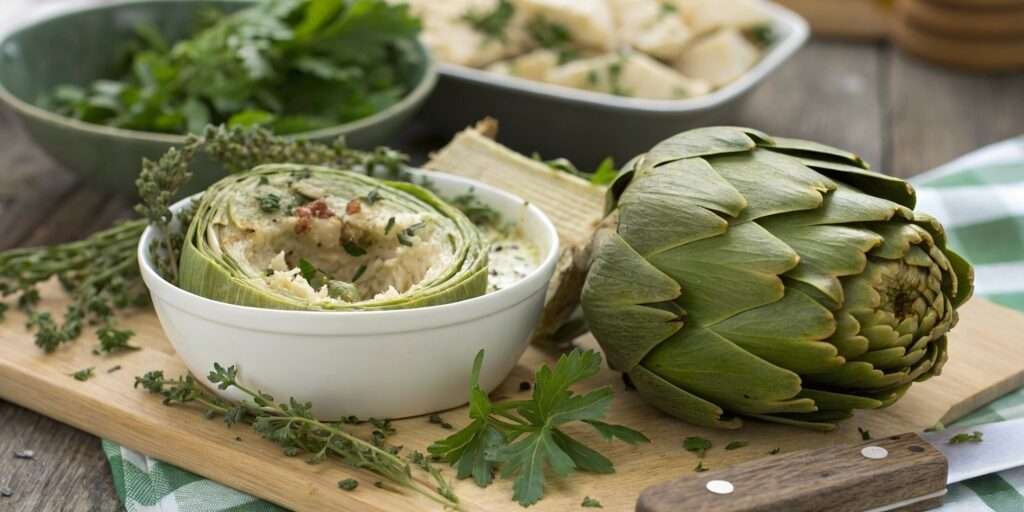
(586, 126)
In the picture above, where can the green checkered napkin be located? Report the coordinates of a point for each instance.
(979, 198)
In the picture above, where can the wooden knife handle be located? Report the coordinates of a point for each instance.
(907, 475)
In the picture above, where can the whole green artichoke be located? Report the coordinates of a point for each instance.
(779, 279)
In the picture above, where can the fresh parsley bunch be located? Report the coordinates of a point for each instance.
(524, 437)
(289, 65)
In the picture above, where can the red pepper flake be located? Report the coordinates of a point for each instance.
(320, 210)
(353, 207)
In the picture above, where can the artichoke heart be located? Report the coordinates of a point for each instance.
(746, 275)
(287, 236)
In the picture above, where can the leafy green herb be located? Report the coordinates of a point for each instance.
(524, 437)
(700, 467)
(293, 427)
(373, 196)
(289, 65)
(603, 175)
(589, 502)
(696, 445)
(964, 437)
(84, 374)
(270, 202)
(552, 36)
(865, 435)
(736, 445)
(491, 24)
(353, 249)
(114, 340)
(348, 484)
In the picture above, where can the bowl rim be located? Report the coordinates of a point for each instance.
(361, 322)
(410, 100)
(797, 32)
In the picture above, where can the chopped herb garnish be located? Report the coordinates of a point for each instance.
(25, 454)
(264, 180)
(270, 202)
(589, 502)
(353, 249)
(697, 445)
(552, 36)
(307, 270)
(964, 437)
(491, 24)
(438, 420)
(373, 196)
(84, 374)
(114, 340)
(390, 225)
(774, 451)
(478, 212)
(359, 272)
(615, 78)
(865, 435)
(700, 467)
(736, 445)
(524, 437)
(667, 8)
(113, 369)
(763, 35)
(406, 235)
(348, 484)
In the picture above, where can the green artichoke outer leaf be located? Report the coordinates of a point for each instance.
(806, 285)
(618, 299)
(232, 243)
(678, 402)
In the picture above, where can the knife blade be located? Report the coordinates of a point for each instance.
(906, 472)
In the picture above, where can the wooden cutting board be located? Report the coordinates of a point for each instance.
(986, 361)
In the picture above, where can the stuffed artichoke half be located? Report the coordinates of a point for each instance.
(301, 237)
(742, 274)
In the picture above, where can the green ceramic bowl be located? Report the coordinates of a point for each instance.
(81, 46)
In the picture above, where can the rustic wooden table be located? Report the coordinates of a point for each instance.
(900, 114)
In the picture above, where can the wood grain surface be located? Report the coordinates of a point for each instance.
(903, 115)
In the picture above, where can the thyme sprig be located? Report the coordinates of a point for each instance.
(292, 426)
(101, 273)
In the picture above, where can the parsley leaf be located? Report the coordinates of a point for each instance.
(84, 374)
(523, 436)
(589, 502)
(697, 445)
(964, 437)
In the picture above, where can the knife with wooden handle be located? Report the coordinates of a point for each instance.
(905, 473)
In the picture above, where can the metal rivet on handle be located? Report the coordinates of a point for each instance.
(874, 452)
(719, 486)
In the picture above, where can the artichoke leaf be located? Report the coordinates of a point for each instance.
(675, 401)
(815, 149)
(870, 182)
(703, 142)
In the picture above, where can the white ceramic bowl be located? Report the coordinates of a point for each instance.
(380, 364)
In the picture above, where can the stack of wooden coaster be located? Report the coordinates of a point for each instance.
(984, 35)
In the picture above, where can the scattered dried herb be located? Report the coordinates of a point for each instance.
(113, 369)
(865, 435)
(736, 445)
(552, 36)
(293, 427)
(114, 340)
(438, 420)
(348, 484)
(523, 437)
(353, 249)
(589, 502)
(269, 202)
(696, 445)
(390, 225)
(964, 437)
(84, 374)
(700, 467)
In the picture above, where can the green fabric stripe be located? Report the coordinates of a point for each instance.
(996, 241)
(988, 175)
(997, 493)
(1010, 300)
(113, 453)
